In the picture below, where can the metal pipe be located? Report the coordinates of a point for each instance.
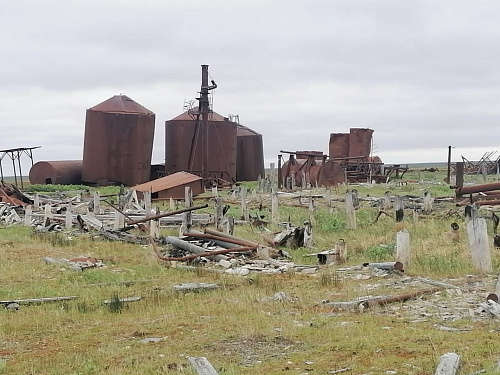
(401, 297)
(192, 248)
(386, 265)
(448, 175)
(228, 236)
(231, 241)
(477, 188)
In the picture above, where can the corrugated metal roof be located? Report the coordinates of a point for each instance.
(121, 104)
(167, 182)
(189, 116)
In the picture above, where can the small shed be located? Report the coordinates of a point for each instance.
(171, 186)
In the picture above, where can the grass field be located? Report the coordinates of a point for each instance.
(240, 327)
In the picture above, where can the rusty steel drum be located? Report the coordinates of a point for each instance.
(63, 172)
(331, 174)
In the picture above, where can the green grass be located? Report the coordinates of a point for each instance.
(238, 327)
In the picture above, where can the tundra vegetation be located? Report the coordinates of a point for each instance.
(241, 327)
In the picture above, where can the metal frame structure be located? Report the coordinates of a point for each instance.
(15, 154)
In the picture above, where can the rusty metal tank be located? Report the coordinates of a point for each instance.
(331, 174)
(339, 145)
(360, 142)
(303, 164)
(118, 144)
(62, 172)
(183, 146)
(249, 155)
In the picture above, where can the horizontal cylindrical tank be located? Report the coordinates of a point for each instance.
(183, 146)
(63, 172)
(118, 143)
(249, 155)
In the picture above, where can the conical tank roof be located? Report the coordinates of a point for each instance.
(121, 104)
(189, 116)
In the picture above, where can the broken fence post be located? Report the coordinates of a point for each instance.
(399, 208)
(147, 202)
(274, 207)
(351, 215)
(187, 218)
(244, 209)
(479, 244)
(201, 366)
(97, 203)
(47, 212)
(341, 248)
(427, 203)
(68, 222)
(403, 247)
(448, 364)
(36, 204)
(27, 216)
(387, 205)
(308, 239)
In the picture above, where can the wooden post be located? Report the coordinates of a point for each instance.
(172, 204)
(308, 238)
(303, 182)
(116, 224)
(341, 248)
(403, 247)
(97, 203)
(479, 244)
(219, 213)
(399, 208)
(448, 364)
(244, 209)
(215, 192)
(27, 215)
(311, 204)
(387, 201)
(47, 213)
(187, 221)
(350, 213)
(36, 204)
(293, 180)
(427, 203)
(274, 207)
(68, 223)
(201, 366)
(147, 202)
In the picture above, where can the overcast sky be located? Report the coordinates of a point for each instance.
(423, 74)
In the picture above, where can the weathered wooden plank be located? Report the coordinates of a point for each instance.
(201, 366)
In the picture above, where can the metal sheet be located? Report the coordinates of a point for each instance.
(64, 172)
(118, 145)
(360, 142)
(339, 145)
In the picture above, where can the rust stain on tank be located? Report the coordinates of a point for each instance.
(118, 143)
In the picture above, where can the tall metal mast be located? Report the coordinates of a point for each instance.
(204, 109)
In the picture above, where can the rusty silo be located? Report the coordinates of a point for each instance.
(339, 145)
(360, 142)
(250, 155)
(63, 172)
(183, 145)
(118, 143)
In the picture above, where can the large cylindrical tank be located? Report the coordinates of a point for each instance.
(183, 146)
(62, 172)
(339, 145)
(360, 142)
(118, 144)
(249, 155)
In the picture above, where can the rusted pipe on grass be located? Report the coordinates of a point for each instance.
(386, 266)
(400, 298)
(192, 248)
(477, 188)
(233, 241)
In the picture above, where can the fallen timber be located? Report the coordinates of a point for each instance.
(208, 254)
(193, 248)
(37, 300)
(132, 224)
